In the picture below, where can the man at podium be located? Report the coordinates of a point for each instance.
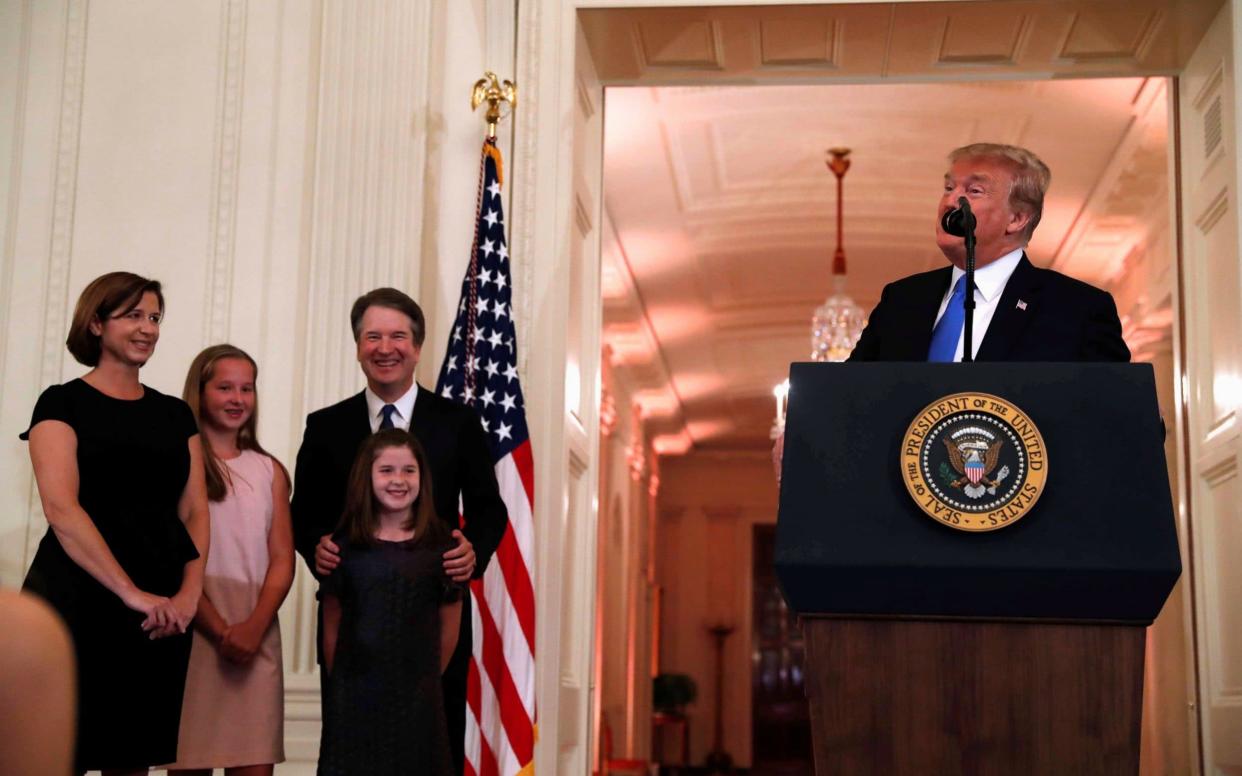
(1022, 313)
(952, 624)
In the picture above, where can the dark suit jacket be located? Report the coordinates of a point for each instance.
(1063, 320)
(456, 449)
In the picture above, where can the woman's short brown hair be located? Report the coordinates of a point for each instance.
(115, 292)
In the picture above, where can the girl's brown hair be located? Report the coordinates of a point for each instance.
(202, 369)
(113, 293)
(361, 519)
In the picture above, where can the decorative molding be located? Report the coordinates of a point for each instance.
(1220, 472)
(826, 34)
(1148, 333)
(710, 58)
(662, 44)
(586, 103)
(1121, 214)
(583, 208)
(1021, 33)
(635, 458)
(64, 191)
(607, 412)
(636, 450)
(1211, 214)
(223, 214)
(1131, 54)
(1210, 86)
(64, 195)
(578, 463)
(8, 256)
(366, 201)
(524, 198)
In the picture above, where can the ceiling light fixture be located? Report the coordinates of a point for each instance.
(839, 321)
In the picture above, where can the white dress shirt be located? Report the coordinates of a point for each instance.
(400, 418)
(990, 283)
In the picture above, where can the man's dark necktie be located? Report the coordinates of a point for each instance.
(388, 410)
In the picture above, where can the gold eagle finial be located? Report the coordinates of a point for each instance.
(494, 92)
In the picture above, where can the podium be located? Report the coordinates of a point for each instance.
(1015, 644)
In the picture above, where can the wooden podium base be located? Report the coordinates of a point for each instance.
(897, 697)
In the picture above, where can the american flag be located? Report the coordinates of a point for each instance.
(480, 370)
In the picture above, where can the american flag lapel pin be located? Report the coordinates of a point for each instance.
(1021, 305)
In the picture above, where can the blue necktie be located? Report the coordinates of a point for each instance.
(389, 409)
(949, 328)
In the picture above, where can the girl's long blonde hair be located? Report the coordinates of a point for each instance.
(202, 368)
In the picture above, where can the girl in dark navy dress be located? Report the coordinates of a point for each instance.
(390, 620)
(119, 472)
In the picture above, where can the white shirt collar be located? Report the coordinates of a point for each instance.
(991, 278)
(405, 407)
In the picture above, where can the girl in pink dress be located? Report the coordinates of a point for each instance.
(233, 713)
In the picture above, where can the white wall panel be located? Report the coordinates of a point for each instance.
(1213, 327)
(146, 164)
(266, 160)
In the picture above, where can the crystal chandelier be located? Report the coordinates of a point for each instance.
(838, 322)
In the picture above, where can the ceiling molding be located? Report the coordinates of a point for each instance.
(634, 350)
(882, 41)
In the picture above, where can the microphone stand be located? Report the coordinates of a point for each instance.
(968, 303)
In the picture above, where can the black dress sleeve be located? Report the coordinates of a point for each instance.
(184, 421)
(53, 404)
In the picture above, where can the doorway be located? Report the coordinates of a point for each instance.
(780, 715)
(687, 48)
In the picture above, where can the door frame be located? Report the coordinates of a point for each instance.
(545, 178)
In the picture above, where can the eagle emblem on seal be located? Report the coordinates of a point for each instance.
(974, 452)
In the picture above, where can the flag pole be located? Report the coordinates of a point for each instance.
(480, 372)
(495, 93)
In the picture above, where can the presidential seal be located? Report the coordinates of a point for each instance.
(974, 462)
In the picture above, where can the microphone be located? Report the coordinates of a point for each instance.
(959, 220)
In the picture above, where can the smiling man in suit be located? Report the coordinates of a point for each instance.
(389, 328)
(1022, 313)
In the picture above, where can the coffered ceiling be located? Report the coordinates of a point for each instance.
(902, 40)
(720, 214)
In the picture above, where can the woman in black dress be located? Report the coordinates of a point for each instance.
(121, 481)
